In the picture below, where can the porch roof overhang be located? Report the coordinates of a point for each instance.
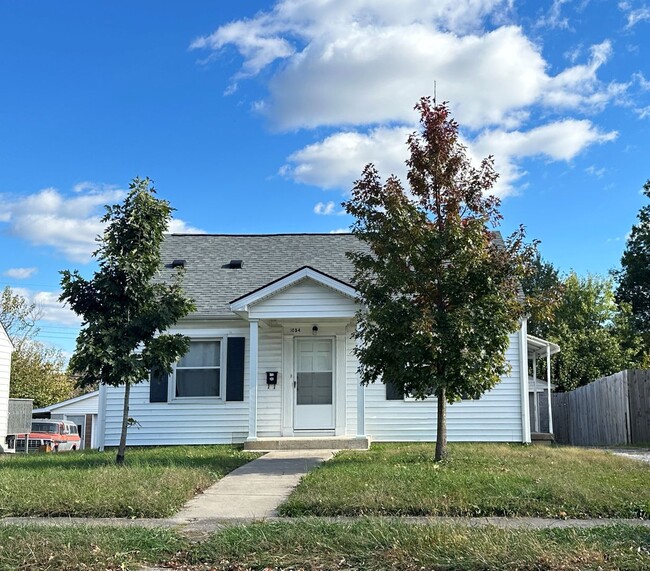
(538, 347)
(241, 305)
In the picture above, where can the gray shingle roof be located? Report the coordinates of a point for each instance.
(265, 258)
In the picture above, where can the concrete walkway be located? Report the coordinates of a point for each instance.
(254, 490)
(642, 454)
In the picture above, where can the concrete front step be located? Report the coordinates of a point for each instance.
(542, 438)
(308, 443)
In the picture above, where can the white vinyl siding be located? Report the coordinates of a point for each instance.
(5, 372)
(82, 406)
(306, 299)
(209, 421)
(495, 417)
(269, 399)
(352, 380)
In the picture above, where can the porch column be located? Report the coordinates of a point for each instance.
(361, 410)
(548, 387)
(523, 382)
(536, 393)
(252, 380)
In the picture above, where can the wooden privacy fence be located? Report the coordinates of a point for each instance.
(612, 410)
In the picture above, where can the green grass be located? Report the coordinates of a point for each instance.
(369, 545)
(35, 548)
(154, 482)
(476, 480)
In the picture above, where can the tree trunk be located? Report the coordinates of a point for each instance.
(441, 431)
(119, 460)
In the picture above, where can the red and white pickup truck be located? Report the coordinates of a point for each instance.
(50, 436)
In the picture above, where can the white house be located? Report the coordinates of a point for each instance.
(6, 349)
(81, 410)
(280, 310)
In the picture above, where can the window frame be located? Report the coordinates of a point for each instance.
(222, 340)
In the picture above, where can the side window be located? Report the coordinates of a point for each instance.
(198, 373)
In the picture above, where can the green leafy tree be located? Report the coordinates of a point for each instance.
(440, 290)
(634, 275)
(125, 310)
(593, 332)
(38, 371)
(18, 316)
(543, 289)
(596, 335)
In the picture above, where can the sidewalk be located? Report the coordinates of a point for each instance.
(254, 490)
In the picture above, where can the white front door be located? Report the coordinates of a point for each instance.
(314, 386)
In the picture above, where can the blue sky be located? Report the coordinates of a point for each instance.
(258, 116)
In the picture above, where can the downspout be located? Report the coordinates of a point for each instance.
(523, 376)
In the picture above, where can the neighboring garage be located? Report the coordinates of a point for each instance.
(80, 410)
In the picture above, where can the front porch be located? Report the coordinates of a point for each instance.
(309, 388)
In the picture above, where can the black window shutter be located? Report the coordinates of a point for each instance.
(158, 386)
(392, 392)
(235, 369)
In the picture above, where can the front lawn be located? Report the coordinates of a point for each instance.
(154, 482)
(367, 545)
(476, 480)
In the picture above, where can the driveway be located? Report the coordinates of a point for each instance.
(642, 454)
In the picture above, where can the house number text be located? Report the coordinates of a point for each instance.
(294, 330)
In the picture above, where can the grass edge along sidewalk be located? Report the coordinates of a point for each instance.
(478, 480)
(373, 545)
(154, 482)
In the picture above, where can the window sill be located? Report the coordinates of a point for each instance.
(197, 400)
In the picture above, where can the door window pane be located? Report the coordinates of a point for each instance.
(314, 388)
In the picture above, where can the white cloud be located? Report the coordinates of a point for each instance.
(643, 112)
(644, 84)
(178, 226)
(634, 15)
(358, 66)
(365, 62)
(67, 223)
(578, 87)
(595, 171)
(50, 308)
(53, 310)
(338, 161)
(20, 273)
(340, 231)
(554, 18)
(325, 209)
(559, 141)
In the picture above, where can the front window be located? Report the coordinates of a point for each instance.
(198, 373)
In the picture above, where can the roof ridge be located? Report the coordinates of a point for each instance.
(265, 235)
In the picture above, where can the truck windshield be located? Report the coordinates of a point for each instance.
(50, 428)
